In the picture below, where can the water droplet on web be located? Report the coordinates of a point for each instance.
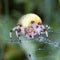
(56, 44)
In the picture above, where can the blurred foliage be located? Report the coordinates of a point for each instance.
(11, 11)
(13, 52)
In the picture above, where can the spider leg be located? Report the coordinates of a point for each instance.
(46, 33)
(12, 30)
(19, 38)
(18, 35)
(11, 34)
(48, 27)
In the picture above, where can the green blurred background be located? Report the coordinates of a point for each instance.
(11, 11)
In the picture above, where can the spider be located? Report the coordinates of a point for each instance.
(30, 31)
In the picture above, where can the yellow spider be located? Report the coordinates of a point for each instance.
(30, 25)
